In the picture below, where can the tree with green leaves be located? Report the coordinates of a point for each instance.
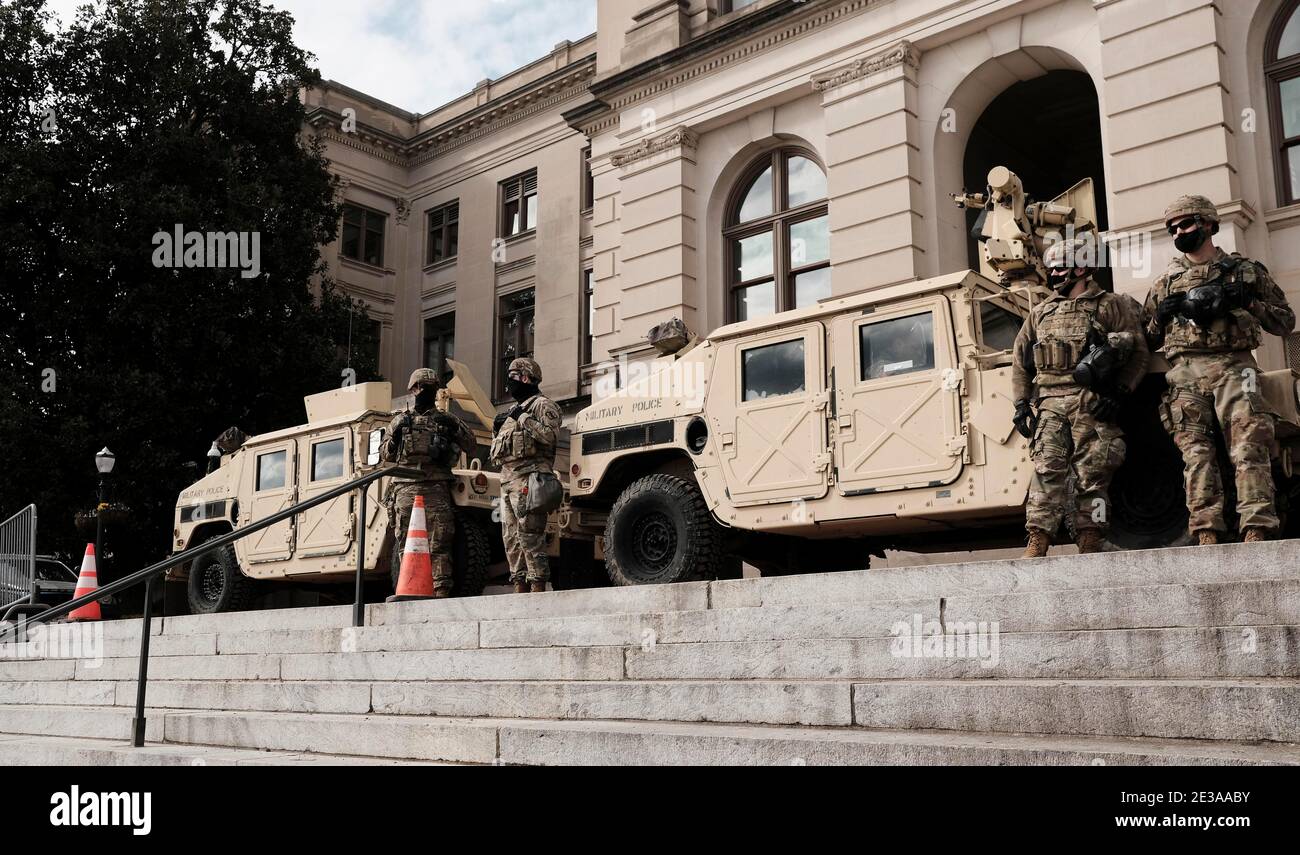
(137, 118)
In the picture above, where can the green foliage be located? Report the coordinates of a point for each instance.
(164, 112)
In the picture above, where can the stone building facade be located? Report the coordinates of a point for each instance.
(747, 157)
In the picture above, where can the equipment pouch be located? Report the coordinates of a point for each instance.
(545, 492)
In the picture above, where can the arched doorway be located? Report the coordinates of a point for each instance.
(1046, 130)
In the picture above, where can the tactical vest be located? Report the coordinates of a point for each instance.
(1238, 330)
(1063, 330)
(425, 445)
(513, 444)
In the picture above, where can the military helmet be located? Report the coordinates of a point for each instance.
(423, 377)
(528, 366)
(1071, 252)
(1186, 206)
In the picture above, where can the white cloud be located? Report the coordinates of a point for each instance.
(420, 54)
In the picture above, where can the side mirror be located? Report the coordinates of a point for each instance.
(376, 441)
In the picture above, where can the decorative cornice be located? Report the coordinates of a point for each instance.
(903, 53)
(722, 48)
(682, 137)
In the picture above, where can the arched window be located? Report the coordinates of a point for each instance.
(1282, 66)
(778, 237)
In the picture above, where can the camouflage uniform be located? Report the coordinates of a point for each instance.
(1068, 436)
(1213, 376)
(417, 429)
(522, 446)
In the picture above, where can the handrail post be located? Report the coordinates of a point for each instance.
(359, 607)
(137, 723)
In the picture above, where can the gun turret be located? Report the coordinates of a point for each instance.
(1014, 230)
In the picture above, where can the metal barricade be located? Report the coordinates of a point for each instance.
(18, 557)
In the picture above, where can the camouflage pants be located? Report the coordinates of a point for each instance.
(1222, 387)
(1069, 438)
(524, 535)
(439, 519)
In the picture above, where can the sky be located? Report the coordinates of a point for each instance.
(420, 54)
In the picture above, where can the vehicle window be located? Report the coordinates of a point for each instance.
(270, 470)
(772, 370)
(327, 460)
(895, 347)
(52, 571)
(998, 327)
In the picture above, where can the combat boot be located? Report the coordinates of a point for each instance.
(1207, 537)
(1255, 534)
(441, 593)
(538, 587)
(1089, 540)
(521, 587)
(1038, 543)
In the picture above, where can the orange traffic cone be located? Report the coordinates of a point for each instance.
(415, 582)
(87, 583)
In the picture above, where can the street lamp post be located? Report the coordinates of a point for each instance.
(104, 461)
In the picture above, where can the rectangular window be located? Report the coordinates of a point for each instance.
(327, 460)
(271, 470)
(588, 316)
(439, 341)
(772, 370)
(895, 347)
(737, 5)
(444, 233)
(998, 327)
(363, 235)
(514, 332)
(519, 204)
(588, 181)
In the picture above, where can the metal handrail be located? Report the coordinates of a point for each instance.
(150, 573)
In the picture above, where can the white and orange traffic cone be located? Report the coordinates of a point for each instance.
(415, 581)
(87, 583)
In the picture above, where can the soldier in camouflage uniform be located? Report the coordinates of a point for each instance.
(524, 442)
(1205, 313)
(1077, 356)
(430, 440)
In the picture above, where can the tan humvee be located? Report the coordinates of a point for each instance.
(810, 439)
(340, 441)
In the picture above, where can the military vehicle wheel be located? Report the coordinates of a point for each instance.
(216, 584)
(660, 530)
(471, 554)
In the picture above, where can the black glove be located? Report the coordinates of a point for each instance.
(1169, 308)
(1106, 407)
(1024, 419)
(498, 422)
(517, 412)
(1237, 295)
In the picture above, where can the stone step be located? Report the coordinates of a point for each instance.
(571, 663)
(1172, 709)
(1238, 562)
(68, 751)
(101, 722)
(672, 743)
(1264, 651)
(1214, 604)
(60, 692)
(233, 667)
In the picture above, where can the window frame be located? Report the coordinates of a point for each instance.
(902, 313)
(505, 190)
(360, 258)
(501, 365)
(1276, 72)
(742, 352)
(444, 328)
(588, 191)
(450, 218)
(777, 223)
(311, 459)
(586, 316)
(257, 471)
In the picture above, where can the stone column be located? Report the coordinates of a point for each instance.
(871, 160)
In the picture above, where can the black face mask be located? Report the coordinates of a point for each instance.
(1061, 279)
(520, 390)
(426, 397)
(1190, 241)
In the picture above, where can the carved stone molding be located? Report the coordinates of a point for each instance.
(678, 137)
(903, 53)
(403, 211)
